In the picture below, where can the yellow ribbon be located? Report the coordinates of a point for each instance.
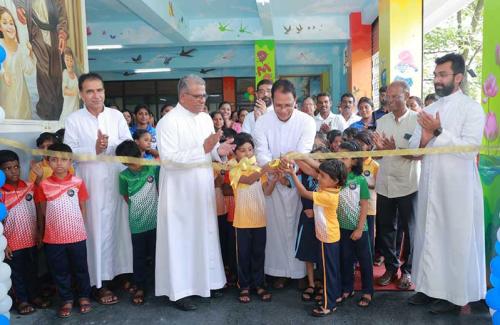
(245, 165)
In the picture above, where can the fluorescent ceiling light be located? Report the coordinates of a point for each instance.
(263, 2)
(104, 47)
(152, 70)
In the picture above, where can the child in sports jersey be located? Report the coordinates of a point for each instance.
(62, 199)
(139, 187)
(144, 139)
(331, 176)
(354, 239)
(370, 171)
(250, 185)
(20, 229)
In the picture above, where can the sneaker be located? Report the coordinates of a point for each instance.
(442, 306)
(420, 299)
(405, 282)
(387, 278)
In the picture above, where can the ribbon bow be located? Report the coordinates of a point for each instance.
(247, 165)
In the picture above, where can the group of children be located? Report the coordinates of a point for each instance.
(335, 229)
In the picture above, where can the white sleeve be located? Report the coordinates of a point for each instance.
(262, 151)
(72, 137)
(307, 136)
(247, 123)
(171, 149)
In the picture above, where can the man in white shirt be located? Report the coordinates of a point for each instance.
(347, 114)
(263, 105)
(325, 120)
(397, 183)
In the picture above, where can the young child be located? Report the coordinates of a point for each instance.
(62, 199)
(139, 187)
(143, 139)
(69, 85)
(335, 139)
(370, 170)
(41, 170)
(20, 229)
(250, 185)
(331, 176)
(354, 239)
(20, 62)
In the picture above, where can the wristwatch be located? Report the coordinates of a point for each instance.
(438, 131)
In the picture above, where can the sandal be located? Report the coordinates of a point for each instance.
(25, 308)
(322, 312)
(244, 296)
(345, 296)
(264, 295)
(364, 301)
(138, 297)
(85, 306)
(280, 283)
(319, 295)
(41, 303)
(105, 296)
(308, 293)
(65, 309)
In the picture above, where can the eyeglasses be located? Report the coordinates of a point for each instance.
(198, 97)
(442, 75)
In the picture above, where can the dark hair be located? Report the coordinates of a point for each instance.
(242, 138)
(142, 106)
(264, 82)
(242, 109)
(128, 148)
(8, 155)
(335, 169)
(228, 133)
(457, 62)
(322, 137)
(284, 86)
(212, 115)
(418, 100)
(357, 167)
(366, 137)
(60, 135)
(332, 135)
(60, 147)
(350, 132)
(88, 76)
(365, 100)
(139, 133)
(165, 106)
(348, 95)
(382, 89)
(223, 103)
(46, 136)
(432, 97)
(323, 95)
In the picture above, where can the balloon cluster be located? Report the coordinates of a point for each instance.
(493, 295)
(5, 283)
(249, 94)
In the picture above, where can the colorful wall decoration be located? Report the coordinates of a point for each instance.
(359, 81)
(265, 63)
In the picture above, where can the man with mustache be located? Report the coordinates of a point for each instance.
(263, 104)
(449, 254)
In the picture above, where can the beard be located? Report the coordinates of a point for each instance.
(267, 100)
(444, 90)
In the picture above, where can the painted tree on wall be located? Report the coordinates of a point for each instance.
(461, 33)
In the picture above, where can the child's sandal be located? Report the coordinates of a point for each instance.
(65, 309)
(25, 308)
(85, 306)
(138, 297)
(308, 294)
(41, 303)
(364, 301)
(322, 312)
(244, 296)
(264, 295)
(345, 296)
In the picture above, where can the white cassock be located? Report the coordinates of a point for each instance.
(188, 256)
(449, 254)
(274, 138)
(249, 122)
(109, 246)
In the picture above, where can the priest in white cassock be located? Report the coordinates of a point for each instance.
(449, 254)
(97, 129)
(276, 134)
(188, 255)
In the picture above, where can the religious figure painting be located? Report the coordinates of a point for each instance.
(45, 51)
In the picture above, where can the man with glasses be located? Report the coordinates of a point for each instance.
(188, 255)
(263, 105)
(449, 255)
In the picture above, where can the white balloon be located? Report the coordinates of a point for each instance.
(5, 305)
(1, 228)
(498, 234)
(3, 243)
(492, 311)
(3, 290)
(4, 272)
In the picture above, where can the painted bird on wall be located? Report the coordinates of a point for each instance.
(186, 53)
(205, 71)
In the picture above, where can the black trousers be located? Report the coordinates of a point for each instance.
(227, 242)
(361, 250)
(389, 210)
(250, 250)
(24, 273)
(65, 260)
(330, 267)
(143, 245)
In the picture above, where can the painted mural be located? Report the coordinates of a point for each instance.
(45, 51)
(265, 62)
(489, 166)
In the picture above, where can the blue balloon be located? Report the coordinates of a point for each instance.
(3, 54)
(4, 320)
(2, 178)
(497, 247)
(494, 280)
(495, 266)
(496, 318)
(493, 298)
(3, 211)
